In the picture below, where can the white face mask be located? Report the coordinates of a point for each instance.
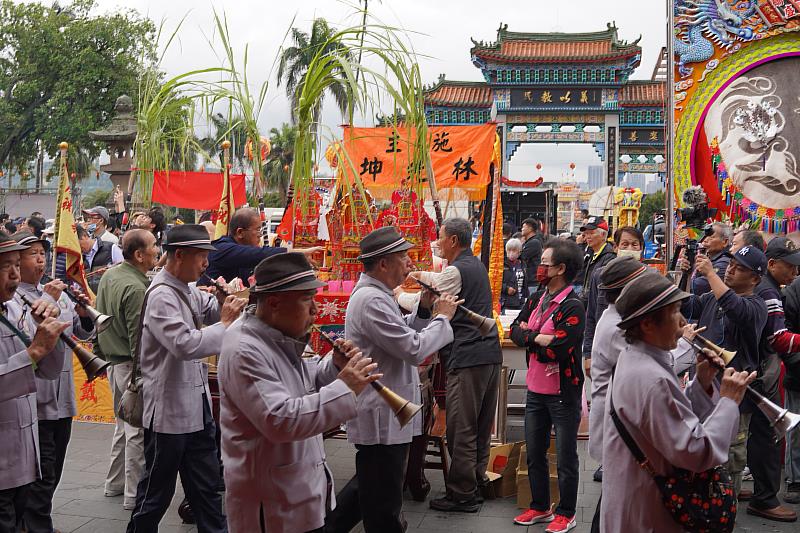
(636, 254)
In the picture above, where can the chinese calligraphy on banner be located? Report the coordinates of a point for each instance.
(381, 157)
(557, 97)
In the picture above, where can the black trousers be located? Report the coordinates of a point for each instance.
(764, 457)
(194, 457)
(53, 441)
(12, 507)
(375, 494)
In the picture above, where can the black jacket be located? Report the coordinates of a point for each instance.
(791, 309)
(531, 256)
(514, 276)
(590, 264)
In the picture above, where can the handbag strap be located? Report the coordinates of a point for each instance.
(638, 454)
(137, 350)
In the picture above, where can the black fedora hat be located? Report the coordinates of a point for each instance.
(619, 272)
(382, 241)
(7, 244)
(27, 239)
(647, 293)
(285, 272)
(188, 236)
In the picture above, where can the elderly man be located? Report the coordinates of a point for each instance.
(598, 251)
(179, 429)
(275, 404)
(19, 367)
(734, 318)
(120, 295)
(55, 399)
(238, 253)
(398, 345)
(98, 217)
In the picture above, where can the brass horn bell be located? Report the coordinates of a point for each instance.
(403, 409)
(101, 321)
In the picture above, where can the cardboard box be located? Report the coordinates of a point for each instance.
(523, 483)
(502, 469)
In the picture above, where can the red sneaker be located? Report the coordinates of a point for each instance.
(530, 517)
(561, 524)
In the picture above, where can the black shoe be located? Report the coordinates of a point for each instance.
(792, 493)
(598, 474)
(420, 493)
(449, 505)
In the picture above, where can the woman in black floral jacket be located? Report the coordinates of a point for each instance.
(550, 327)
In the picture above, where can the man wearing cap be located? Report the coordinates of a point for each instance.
(607, 344)
(19, 368)
(734, 318)
(97, 255)
(98, 216)
(120, 295)
(276, 402)
(55, 399)
(691, 429)
(179, 428)
(598, 251)
(398, 345)
(777, 342)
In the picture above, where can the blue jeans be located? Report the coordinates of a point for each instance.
(793, 440)
(542, 412)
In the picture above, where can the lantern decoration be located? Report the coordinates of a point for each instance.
(538, 166)
(572, 166)
(2, 173)
(286, 168)
(266, 148)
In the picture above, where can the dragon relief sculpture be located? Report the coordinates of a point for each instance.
(702, 23)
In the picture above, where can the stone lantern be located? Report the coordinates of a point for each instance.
(119, 138)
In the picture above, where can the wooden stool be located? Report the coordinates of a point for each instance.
(436, 443)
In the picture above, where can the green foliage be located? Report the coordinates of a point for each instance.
(97, 197)
(296, 60)
(651, 204)
(279, 161)
(61, 70)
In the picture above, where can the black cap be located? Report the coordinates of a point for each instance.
(188, 236)
(285, 272)
(647, 293)
(7, 244)
(382, 241)
(595, 223)
(751, 257)
(783, 248)
(27, 238)
(620, 271)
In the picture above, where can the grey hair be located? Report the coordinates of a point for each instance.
(725, 230)
(513, 244)
(461, 228)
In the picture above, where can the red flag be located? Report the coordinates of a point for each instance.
(195, 190)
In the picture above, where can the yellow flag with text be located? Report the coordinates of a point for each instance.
(226, 206)
(66, 238)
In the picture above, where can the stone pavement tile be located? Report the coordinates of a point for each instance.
(95, 509)
(68, 523)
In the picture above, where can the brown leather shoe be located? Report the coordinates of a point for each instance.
(779, 513)
(745, 495)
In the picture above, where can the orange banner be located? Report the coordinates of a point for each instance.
(461, 155)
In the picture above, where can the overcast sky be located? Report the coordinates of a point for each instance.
(442, 30)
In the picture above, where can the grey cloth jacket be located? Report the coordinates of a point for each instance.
(674, 428)
(173, 378)
(274, 407)
(609, 341)
(55, 398)
(398, 345)
(19, 429)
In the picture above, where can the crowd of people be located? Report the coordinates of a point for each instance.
(589, 312)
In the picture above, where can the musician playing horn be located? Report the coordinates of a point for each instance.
(19, 367)
(275, 404)
(398, 345)
(55, 399)
(689, 429)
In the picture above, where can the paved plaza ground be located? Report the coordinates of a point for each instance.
(81, 507)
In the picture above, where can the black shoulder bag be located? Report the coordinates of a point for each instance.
(699, 502)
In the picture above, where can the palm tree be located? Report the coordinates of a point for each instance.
(279, 160)
(221, 129)
(295, 60)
